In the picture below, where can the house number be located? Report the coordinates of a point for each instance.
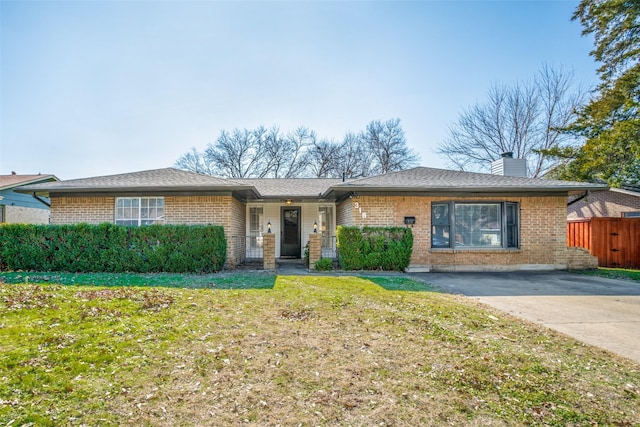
(356, 205)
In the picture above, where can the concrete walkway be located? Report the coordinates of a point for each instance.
(597, 311)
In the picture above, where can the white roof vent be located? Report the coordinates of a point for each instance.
(506, 165)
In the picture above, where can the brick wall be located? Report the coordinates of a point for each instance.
(542, 232)
(580, 259)
(92, 210)
(542, 226)
(315, 249)
(237, 231)
(214, 210)
(344, 213)
(191, 210)
(269, 251)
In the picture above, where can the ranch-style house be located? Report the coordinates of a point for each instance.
(461, 221)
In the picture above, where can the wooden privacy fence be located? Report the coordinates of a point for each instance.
(615, 241)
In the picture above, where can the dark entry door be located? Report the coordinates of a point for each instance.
(290, 238)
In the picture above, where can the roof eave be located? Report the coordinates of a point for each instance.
(339, 191)
(250, 191)
(39, 179)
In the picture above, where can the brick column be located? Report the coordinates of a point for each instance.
(315, 249)
(269, 251)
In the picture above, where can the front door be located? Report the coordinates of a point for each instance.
(290, 234)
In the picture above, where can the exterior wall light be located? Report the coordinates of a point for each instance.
(269, 227)
(315, 227)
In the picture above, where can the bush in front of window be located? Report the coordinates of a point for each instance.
(112, 248)
(374, 248)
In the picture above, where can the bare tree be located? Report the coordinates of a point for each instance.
(286, 153)
(195, 161)
(239, 154)
(388, 146)
(353, 159)
(320, 159)
(523, 118)
(268, 153)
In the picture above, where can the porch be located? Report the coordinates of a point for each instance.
(254, 248)
(260, 252)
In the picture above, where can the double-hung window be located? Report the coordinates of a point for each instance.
(474, 225)
(136, 211)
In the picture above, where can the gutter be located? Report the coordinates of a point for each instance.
(38, 198)
(577, 199)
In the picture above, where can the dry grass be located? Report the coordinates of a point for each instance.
(311, 351)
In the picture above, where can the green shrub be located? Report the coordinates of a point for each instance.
(350, 244)
(374, 248)
(324, 264)
(111, 248)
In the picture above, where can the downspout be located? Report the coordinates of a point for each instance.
(44, 202)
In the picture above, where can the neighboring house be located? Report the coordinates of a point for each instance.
(23, 208)
(607, 224)
(615, 202)
(460, 220)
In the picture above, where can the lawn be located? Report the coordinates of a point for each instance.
(253, 280)
(614, 273)
(296, 351)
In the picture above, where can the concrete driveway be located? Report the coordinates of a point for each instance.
(597, 311)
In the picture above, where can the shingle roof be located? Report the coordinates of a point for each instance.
(156, 179)
(420, 179)
(290, 187)
(431, 179)
(10, 181)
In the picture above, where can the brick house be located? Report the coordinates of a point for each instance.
(461, 221)
(23, 208)
(607, 224)
(614, 202)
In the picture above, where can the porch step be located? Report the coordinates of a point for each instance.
(250, 264)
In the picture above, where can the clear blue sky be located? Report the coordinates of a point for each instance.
(102, 87)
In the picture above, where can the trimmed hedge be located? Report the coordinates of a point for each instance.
(374, 248)
(112, 248)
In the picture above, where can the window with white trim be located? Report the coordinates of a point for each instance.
(136, 211)
(256, 215)
(325, 224)
(475, 225)
(1, 213)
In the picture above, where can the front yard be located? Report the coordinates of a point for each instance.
(290, 350)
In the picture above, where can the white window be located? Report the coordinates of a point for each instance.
(1, 213)
(325, 224)
(136, 211)
(327, 228)
(474, 225)
(255, 226)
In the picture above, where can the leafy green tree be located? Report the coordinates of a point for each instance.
(611, 121)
